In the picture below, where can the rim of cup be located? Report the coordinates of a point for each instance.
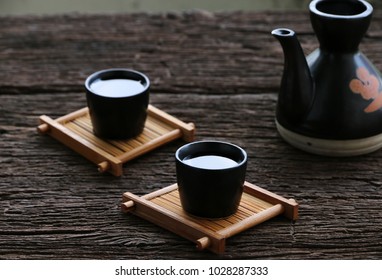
(118, 73)
(181, 158)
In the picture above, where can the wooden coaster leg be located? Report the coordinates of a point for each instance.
(127, 206)
(203, 243)
(43, 128)
(103, 166)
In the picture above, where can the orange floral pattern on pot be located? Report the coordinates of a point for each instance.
(367, 85)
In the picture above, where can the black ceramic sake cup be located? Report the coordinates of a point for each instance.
(117, 99)
(210, 177)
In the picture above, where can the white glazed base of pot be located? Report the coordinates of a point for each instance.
(326, 147)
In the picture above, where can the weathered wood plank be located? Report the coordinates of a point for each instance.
(220, 71)
(180, 52)
(57, 206)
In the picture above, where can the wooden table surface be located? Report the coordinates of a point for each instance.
(222, 72)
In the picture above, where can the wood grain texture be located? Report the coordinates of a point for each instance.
(220, 71)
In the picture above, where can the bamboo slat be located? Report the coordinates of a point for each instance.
(163, 207)
(75, 130)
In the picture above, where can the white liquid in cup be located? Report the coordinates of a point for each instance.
(211, 162)
(117, 87)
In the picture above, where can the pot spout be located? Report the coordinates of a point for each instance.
(296, 92)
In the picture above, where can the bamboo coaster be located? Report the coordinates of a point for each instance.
(164, 209)
(75, 131)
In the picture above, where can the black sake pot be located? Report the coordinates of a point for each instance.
(330, 102)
